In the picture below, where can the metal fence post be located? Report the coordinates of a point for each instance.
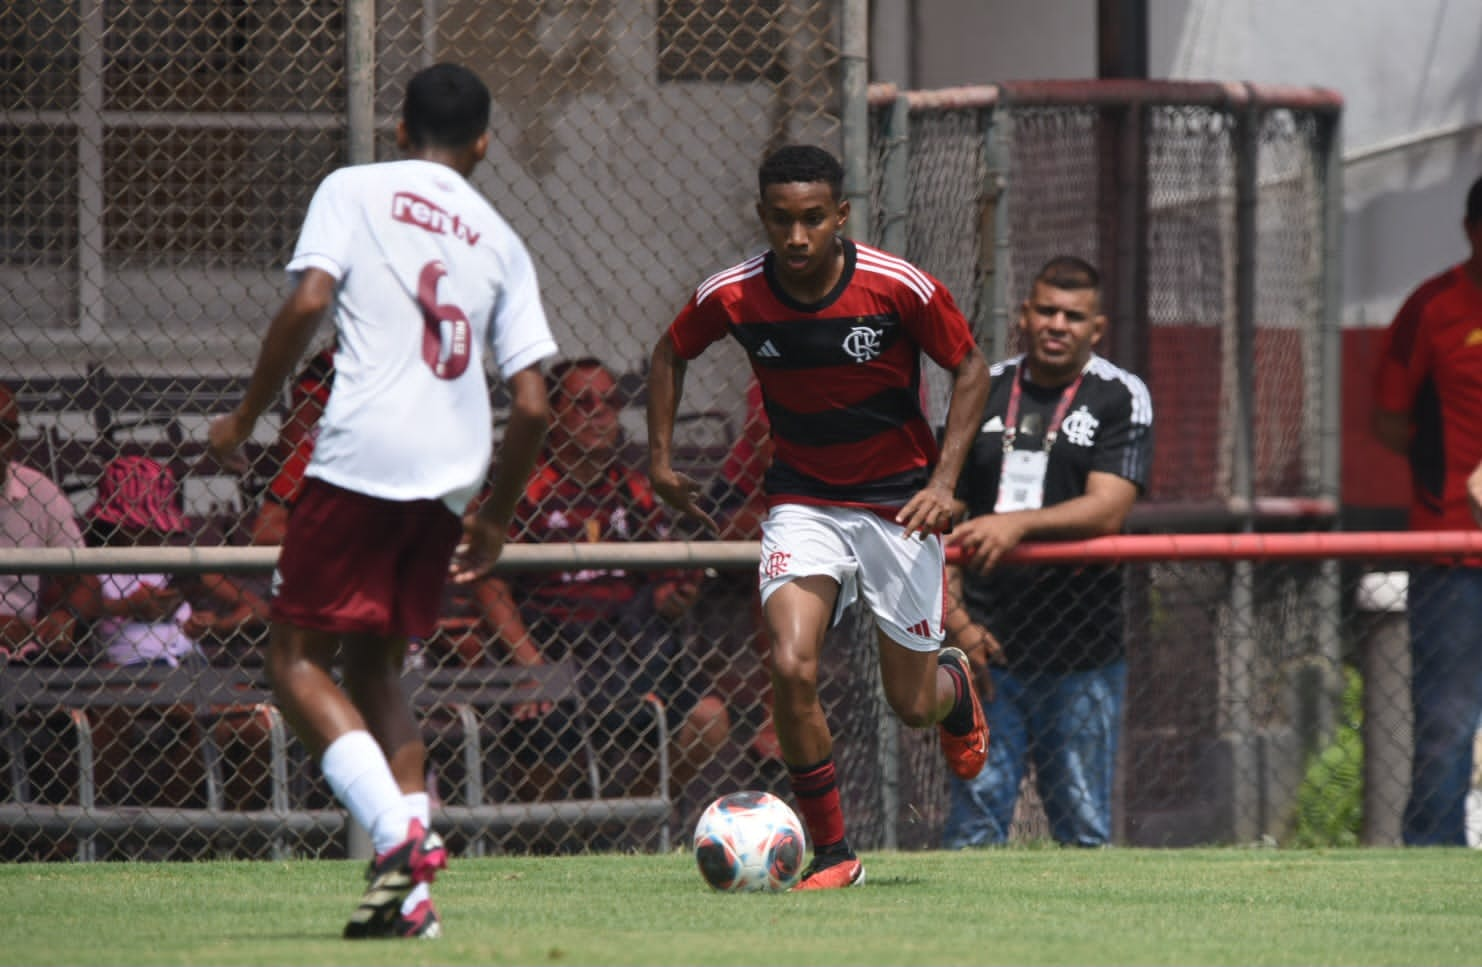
(895, 178)
(997, 155)
(854, 59)
(360, 80)
(92, 273)
(358, 845)
(1384, 663)
(1237, 728)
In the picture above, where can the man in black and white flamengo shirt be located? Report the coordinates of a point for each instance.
(1064, 447)
(857, 489)
(423, 279)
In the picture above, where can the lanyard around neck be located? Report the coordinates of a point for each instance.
(1011, 419)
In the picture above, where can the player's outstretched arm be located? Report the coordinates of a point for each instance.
(1099, 512)
(286, 341)
(665, 387)
(933, 508)
(524, 434)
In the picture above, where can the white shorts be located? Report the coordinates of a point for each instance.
(902, 579)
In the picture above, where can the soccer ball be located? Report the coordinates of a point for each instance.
(748, 842)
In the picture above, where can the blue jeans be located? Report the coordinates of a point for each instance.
(1446, 691)
(1068, 725)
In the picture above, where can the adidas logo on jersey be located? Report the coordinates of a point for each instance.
(768, 351)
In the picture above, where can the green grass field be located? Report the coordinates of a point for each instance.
(1014, 906)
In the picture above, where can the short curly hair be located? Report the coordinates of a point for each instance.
(1474, 203)
(801, 163)
(446, 106)
(1069, 272)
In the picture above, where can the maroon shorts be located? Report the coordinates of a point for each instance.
(358, 564)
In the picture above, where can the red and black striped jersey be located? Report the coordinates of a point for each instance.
(555, 509)
(311, 386)
(841, 378)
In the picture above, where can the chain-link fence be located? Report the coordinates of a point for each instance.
(1210, 210)
(158, 159)
(1292, 658)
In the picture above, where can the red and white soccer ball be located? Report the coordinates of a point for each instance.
(749, 842)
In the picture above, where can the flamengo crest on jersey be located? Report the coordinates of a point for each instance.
(1080, 427)
(840, 378)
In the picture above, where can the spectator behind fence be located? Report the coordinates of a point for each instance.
(1428, 406)
(37, 617)
(619, 626)
(294, 446)
(1064, 447)
(148, 755)
(155, 617)
(738, 502)
(423, 279)
(858, 489)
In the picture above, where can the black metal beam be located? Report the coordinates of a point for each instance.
(1122, 39)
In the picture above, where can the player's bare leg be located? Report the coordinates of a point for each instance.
(919, 690)
(312, 703)
(936, 688)
(373, 681)
(334, 728)
(798, 615)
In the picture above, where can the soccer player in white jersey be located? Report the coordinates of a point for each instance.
(423, 278)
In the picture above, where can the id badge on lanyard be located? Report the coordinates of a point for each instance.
(1021, 484)
(1021, 480)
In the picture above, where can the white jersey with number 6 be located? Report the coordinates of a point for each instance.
(429, 276)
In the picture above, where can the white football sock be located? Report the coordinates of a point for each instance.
(357, 771)
(421, 806)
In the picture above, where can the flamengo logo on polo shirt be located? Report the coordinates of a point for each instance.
(1080, 427)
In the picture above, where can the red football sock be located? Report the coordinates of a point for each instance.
(816, 789)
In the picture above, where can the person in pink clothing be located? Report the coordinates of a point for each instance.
(142, 617)
(149, 756)
(37, 616)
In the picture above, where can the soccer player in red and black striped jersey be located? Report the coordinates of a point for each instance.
(858, 490)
